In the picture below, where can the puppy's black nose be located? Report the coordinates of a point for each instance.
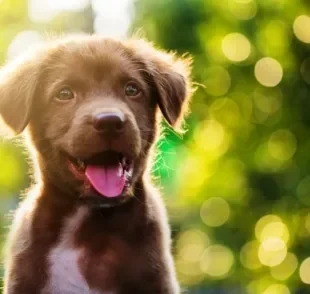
(109, 122)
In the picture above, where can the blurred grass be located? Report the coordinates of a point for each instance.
(237, 184)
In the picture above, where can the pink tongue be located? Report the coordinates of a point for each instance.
(108, 181)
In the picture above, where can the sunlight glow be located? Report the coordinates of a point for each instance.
(46, 10)
(70, 5)
(22, 41)
(112, 18)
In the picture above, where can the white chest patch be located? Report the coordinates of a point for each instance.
(64, 272)
(65, 276)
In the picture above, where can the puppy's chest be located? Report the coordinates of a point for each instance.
(65, 267)
(64, 272)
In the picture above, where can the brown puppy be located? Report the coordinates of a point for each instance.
(92, 223)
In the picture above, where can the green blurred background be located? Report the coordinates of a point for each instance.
(237, 184)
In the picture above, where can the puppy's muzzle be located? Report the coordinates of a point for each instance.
(109, 122)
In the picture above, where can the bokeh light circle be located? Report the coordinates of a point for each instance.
(217, 80)
(217, 261)
(190, 246)
(263, 221)
(268, 101)
(282, 145)
(210, 136)
(277, 289)
(272, 251)
(236, 47)
(301, 28)
(193, 236)
(215, 212)
(249, 255)
(243, 9)
(286, 268)
(268, 72)
(275, 229)
(304, 271)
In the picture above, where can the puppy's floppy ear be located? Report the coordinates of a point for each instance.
(170, 78)
(18, 84)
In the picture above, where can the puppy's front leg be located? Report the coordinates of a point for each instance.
(21, 280)
(159, 278)
(25, 260)
(20, 288)
(149, 286)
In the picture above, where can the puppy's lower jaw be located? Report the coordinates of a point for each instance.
(107, 175)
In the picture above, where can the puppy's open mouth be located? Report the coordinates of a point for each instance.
(109, 173)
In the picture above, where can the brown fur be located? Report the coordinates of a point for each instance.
(125, 248)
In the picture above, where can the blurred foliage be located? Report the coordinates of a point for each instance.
(239, 191)
(237, 185)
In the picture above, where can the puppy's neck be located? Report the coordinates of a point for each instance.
(55, 196)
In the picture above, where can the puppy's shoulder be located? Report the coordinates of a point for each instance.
(20, 233)
(156, 205)
(156, 209)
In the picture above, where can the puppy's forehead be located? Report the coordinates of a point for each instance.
(94, 59)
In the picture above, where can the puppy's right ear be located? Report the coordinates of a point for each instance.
(169, 77)
(18, 84)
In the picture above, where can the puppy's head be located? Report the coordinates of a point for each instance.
(90, 105)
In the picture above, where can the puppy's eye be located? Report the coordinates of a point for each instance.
(65, 94)
(132, 90)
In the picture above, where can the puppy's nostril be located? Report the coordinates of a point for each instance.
(109, 121)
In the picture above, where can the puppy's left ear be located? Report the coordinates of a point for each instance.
(18, 84)
(170, 77)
